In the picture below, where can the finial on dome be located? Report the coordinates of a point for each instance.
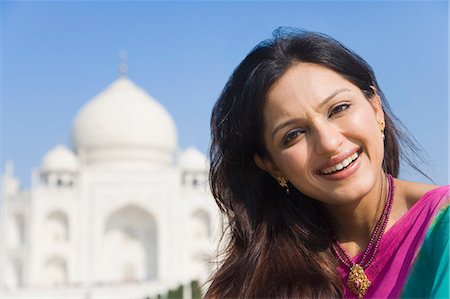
(123, 67)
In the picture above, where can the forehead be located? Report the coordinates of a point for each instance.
(307, 82)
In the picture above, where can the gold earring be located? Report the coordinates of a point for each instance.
(382, 126)
(283, 183)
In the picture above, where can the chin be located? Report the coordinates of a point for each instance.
(345, 193)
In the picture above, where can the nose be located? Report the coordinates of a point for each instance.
(327, 138)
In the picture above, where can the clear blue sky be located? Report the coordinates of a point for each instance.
(56, 56)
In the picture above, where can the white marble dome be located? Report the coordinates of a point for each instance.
(60, 159)
(124, 124)
(193, 160)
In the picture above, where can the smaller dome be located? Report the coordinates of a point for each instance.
(193, 160)
(59, 159)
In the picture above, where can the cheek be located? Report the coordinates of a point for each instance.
(294, 160)
(365, 125)
(365, 128)
(365, 120)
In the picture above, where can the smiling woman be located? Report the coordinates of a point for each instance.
(316, 121)
(305, 155)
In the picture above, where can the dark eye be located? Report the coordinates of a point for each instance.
(291, 135)
(339, 108)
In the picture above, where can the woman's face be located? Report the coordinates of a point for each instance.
(322, 134)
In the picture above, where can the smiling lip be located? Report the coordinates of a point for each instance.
(346, 172)
(337, 159)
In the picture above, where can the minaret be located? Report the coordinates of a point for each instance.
(10, 184)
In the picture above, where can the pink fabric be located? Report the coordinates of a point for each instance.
(398, 248)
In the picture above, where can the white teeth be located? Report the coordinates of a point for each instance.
(340, 165)
(346, 162)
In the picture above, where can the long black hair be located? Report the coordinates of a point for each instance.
(278, 245)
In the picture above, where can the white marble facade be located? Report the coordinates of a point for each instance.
(125, 214)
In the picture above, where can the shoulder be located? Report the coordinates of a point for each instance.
(412, 192)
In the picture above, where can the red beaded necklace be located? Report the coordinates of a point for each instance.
(358, 281)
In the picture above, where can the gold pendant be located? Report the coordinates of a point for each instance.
(358, 281)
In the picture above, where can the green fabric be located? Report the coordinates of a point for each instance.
(430, 277)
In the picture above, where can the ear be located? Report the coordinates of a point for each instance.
(375, 101)
(267, 165)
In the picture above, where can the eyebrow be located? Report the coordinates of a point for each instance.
(323, 103)
(331, 96)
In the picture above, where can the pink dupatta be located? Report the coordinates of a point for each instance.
(398, 248)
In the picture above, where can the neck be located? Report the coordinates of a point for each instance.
(353, 223)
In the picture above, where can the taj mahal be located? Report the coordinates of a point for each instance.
(125, 213)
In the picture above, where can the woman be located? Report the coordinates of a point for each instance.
(304, 160)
